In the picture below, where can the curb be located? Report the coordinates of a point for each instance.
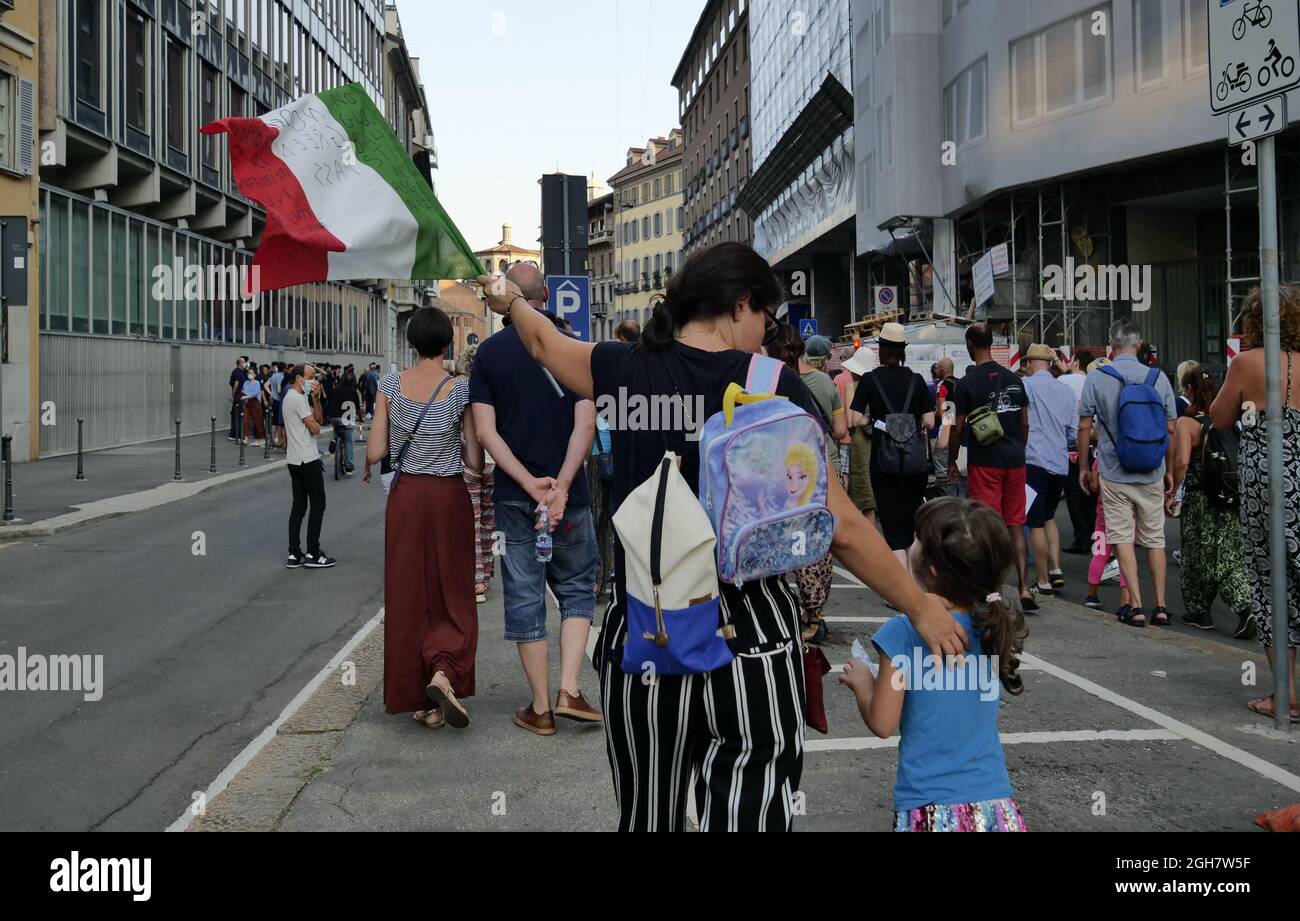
(103, 509)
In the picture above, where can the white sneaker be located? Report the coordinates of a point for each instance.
(1111, 572)
(1178, 558)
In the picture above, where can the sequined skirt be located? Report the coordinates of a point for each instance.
(990, 815)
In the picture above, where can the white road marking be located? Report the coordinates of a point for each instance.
(837, 585)
(266, 735)
(1190, 733)
(845, 574)
(1008, 738)
(854, 619)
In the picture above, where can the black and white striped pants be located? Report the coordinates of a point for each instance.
(738, 730)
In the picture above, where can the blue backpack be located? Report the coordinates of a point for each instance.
(1143, 424)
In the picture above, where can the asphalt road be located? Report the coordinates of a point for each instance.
(200, 652)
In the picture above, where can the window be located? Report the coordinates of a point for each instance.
(882, 22)
(90, 52)
(658, 188)
(138, 33)
(869, 184)
(885, 134)
(645, 227)
(668, 221)
(1062, 68)
(208, 113)
(963, 105)
(1149, 42)
(679, 216)
(668, 184)
(659, 225)
(1195, 53)
(176, 124)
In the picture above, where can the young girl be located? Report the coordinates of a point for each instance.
(951, 774)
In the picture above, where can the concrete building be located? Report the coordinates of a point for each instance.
(506, 253)
(713, 82)
(1077, 130)
(801, 194)
(600, 260)
(20, 83)
(129, 185)
(647, 225)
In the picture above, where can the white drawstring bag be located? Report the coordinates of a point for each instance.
(674, 614)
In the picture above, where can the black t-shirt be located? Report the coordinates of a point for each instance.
(699, 377)
(341, 394)
(237, 378)
(892, 383)
(990, 384)
(534, 413)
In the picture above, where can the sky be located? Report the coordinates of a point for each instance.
(517, 89)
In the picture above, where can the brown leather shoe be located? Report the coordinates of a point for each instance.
(541, 723)
(575, 707)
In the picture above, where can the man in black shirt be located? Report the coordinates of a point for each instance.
(237, 378)
(995, 472)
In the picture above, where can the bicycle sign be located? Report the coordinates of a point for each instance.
(1254, 45)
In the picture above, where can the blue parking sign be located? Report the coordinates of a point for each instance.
(570, 299)
(807, 328)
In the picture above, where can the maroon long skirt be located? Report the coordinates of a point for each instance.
(430, 617)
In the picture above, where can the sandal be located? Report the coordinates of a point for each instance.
(423, 718)
(445, 699)
(1160, 616)
(1129, 617)
(480, 593)
(1264, 707)
(815, 632)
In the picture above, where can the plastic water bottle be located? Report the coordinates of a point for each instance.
(543, 542)
(1178, 499)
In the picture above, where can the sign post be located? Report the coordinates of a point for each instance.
(1252, 57)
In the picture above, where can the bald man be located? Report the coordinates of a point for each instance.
(539, 433)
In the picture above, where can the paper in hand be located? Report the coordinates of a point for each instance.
(860, 654)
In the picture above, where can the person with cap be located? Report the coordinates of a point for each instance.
(815, 580)
(852, 370)
(894, 389)
(995, 468)
(1053, 427)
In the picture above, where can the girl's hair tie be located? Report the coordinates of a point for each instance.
(992, 597)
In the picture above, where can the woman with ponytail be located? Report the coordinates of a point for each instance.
(1214, 564)
(951, 773)
(739, 729)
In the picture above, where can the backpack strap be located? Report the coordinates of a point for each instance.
(1153, 377)
(764, 374)
(884, 398)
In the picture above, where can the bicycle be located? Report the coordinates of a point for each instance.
(1261, 14)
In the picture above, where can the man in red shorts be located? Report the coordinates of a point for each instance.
(995, 466)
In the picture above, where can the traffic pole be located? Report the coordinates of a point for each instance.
(177, 474)
(212, 462)
(81, 473)
(6, 449)
(1268, 289)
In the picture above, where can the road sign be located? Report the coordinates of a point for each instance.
(886, 296)
(982, 276)
(570, 298)
(807, 328)
(1257, 121)
(1254, 45)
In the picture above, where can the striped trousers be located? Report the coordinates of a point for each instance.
(738, 730)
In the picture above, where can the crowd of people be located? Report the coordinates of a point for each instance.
(941, 491)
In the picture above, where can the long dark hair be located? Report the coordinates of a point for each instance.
(787, 346)
(965, 552)
(1204, 390)
(708, 285)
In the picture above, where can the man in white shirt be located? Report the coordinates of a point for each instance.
(303, 418)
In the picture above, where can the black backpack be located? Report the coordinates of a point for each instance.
(902, 446)
(1220, 449)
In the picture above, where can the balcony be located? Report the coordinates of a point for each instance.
(599, 309)
(599, 236)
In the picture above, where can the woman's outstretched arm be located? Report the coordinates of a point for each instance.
(568, 359)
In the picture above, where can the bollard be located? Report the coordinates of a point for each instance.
(242, 462)
(177, 474)
(212, 464)
(6, 449)
(266, 440)
(81, 473)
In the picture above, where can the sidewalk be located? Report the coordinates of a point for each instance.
(49, 498)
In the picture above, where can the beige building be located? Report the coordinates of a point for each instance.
(19, 203)
(505, 254)
(647, 225)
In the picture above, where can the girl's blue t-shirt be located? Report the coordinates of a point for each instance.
(949, 751)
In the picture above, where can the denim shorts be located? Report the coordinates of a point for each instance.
(571, 573)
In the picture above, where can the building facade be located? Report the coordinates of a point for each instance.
(506, 253)
(801, 194)
(647, 225)
(713, 86)
(600, 261)
(20, 81)
(1069, 130)
(130, 188)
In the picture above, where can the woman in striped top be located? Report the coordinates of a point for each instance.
(430, 618)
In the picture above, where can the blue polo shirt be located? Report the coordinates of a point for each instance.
(534, 413)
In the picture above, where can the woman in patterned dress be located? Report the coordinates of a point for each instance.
(1243, 396)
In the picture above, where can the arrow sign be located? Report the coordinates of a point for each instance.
(1257, 121)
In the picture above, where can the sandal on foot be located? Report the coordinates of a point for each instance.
(423, 718)
(446, 701)
(1264, 706)
(1129, 617)
(1160, 616)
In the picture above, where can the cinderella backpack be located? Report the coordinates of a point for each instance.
(763, 480)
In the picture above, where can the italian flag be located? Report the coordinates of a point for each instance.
(343, 199)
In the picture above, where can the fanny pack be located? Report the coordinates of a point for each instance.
(984, 424)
